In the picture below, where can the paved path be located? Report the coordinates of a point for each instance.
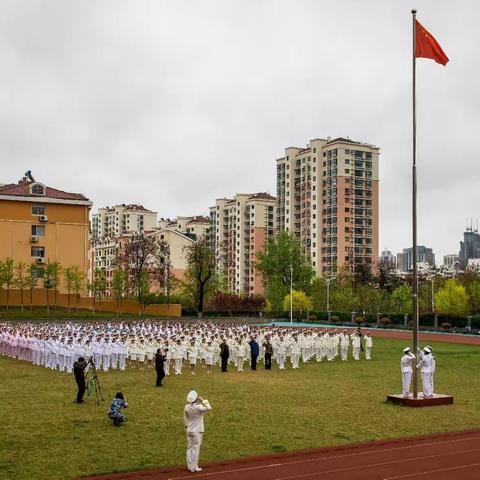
(442, 457)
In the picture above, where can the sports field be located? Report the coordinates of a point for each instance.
(45, 435)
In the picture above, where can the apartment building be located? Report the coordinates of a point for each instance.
(122, 219)
(327, 195)
(195, 227)
(239, 229)
(39, 223)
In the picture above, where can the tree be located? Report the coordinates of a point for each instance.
(33, 274)
(21, 279)
(69, 279)
(98, 285)
(343, 298)
(386, 277)
(452, 299)
(300, 303)
(118, 287)
(7, 277)
(319, 294)
(48, 281)
(402, 299)
(160, 267)
(78, 282)
(55, 270)
(283, 261)
(199, 279)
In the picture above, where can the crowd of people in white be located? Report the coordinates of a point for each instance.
(133, 345)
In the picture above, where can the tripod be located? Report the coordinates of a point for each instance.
(96, 384)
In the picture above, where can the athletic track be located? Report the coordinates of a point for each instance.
(442, 457)
(448, 456)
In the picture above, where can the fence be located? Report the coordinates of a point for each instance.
(41, 298)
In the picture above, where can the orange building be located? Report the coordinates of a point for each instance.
(39, 223)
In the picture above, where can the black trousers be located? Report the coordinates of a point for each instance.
(160, 377)
(253, 363)
(224, 363)
(81, 390)
(268, 361)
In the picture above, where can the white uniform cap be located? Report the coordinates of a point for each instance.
(427, 350)
(406, 350)
(192, 396)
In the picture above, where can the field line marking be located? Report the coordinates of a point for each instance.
(199, 475)
(370, 465)
(434, 471)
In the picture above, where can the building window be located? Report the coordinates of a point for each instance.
(38, 210)
(37, 189)
(38, 230)
(38, 252)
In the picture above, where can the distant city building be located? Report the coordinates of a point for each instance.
(451, 261)
(387, 258)
(194, 227)
(425, 256)
(470, 247)
(122, 219)
(239, 229)
(473, 263)
(327, 196)
(39, 224)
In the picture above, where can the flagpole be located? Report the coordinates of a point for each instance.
(414, 210)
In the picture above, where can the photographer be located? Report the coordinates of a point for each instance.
(160, 358)
(115, 411)
(80, 367)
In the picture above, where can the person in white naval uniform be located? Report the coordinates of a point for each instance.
(193, 420)
(368, 346)
(406, 363)
(426, 365)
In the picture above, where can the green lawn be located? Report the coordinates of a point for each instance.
(45, 436)
(41, 313)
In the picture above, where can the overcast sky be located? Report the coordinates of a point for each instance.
(172, 104)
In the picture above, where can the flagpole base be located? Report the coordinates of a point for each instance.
(420, 401)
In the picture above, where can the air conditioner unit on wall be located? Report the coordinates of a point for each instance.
(40, 260)
(33, 239)
(43, 218)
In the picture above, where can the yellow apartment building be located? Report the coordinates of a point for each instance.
(39, 223)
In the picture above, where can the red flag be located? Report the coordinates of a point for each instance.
(427, 46)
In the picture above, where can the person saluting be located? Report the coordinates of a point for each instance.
(193, 420)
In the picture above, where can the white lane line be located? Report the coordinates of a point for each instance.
(364, 467)
(428, 472)
(294, 462)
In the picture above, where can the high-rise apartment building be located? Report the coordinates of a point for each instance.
(470, 247)
(195, 227)
(425, 255)
(39, 223)
(122, 219)
(239, 229)
(327, 195)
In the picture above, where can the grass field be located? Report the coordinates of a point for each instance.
(41, 314)
(44, 435)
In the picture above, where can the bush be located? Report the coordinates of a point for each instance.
(385, 322)
(446, 326)
(334, 319)
(359, 320)
(312, 318)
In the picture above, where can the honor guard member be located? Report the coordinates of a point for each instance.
(193, 420)
(406, 363)
(368, 346)
(425, 366)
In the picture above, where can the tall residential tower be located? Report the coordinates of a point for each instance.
(327, 195)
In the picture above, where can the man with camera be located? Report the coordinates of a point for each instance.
(80, 367)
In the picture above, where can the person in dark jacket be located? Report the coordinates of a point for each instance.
(254, 352)
(159, 366)
(224, 354)
(268, 354)
(79, 370)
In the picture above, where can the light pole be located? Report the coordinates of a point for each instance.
(432, 280)
(291, 293)
(327, 282)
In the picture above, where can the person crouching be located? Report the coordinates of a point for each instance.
(115, 412)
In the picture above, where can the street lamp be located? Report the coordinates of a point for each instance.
(291, 293)
(432, 280)
(327, 282)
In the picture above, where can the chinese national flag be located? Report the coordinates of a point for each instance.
(427, 46)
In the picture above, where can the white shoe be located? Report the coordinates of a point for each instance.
(198, 469)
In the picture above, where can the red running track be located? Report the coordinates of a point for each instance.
(442, 457)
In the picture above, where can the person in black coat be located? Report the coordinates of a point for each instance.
(159, 366)
(254, 352)
(268, 354)
(224, 354)
(79, 370)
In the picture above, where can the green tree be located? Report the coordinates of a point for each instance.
(48, 282)
(452, 299)
(282, 262)
(473, 292)
(199, 279)
(7, 277)
(300, 303)
(98, 285)
(69, 280)
(401, 300)
(21, 279)
(78, 282)
(118, 287)
(318, 293)
(343, 298)
(53, 271)
(34, 273)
